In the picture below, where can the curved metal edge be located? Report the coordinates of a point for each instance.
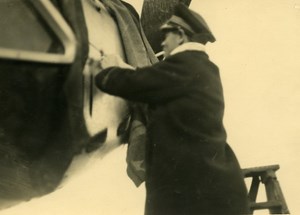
(62, 30)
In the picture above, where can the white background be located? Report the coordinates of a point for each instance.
(257, 51)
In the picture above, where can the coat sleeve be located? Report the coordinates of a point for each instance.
(154, 84)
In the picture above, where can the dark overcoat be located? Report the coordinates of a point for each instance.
(190, 168)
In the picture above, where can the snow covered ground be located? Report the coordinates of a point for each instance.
(96, 184)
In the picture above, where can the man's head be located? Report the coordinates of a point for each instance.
(184, 26)
(172, 39)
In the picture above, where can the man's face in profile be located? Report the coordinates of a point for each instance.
(172, 39)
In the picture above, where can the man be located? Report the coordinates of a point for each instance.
(190, 169)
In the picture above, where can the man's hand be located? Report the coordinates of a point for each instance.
(113, 60)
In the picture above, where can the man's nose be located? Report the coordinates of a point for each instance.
(162, 44)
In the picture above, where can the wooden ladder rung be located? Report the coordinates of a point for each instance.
(249, 172)
(265, 205)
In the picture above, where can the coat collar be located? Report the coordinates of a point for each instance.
(189, 46)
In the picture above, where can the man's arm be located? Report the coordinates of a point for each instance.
(154, 84)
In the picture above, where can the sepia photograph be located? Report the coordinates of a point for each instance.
(154, 107)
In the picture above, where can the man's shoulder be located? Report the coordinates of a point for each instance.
(193, 60)
(189, 57)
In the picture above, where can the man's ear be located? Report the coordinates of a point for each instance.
(182, 36)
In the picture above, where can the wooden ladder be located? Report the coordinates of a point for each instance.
(275, 200)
